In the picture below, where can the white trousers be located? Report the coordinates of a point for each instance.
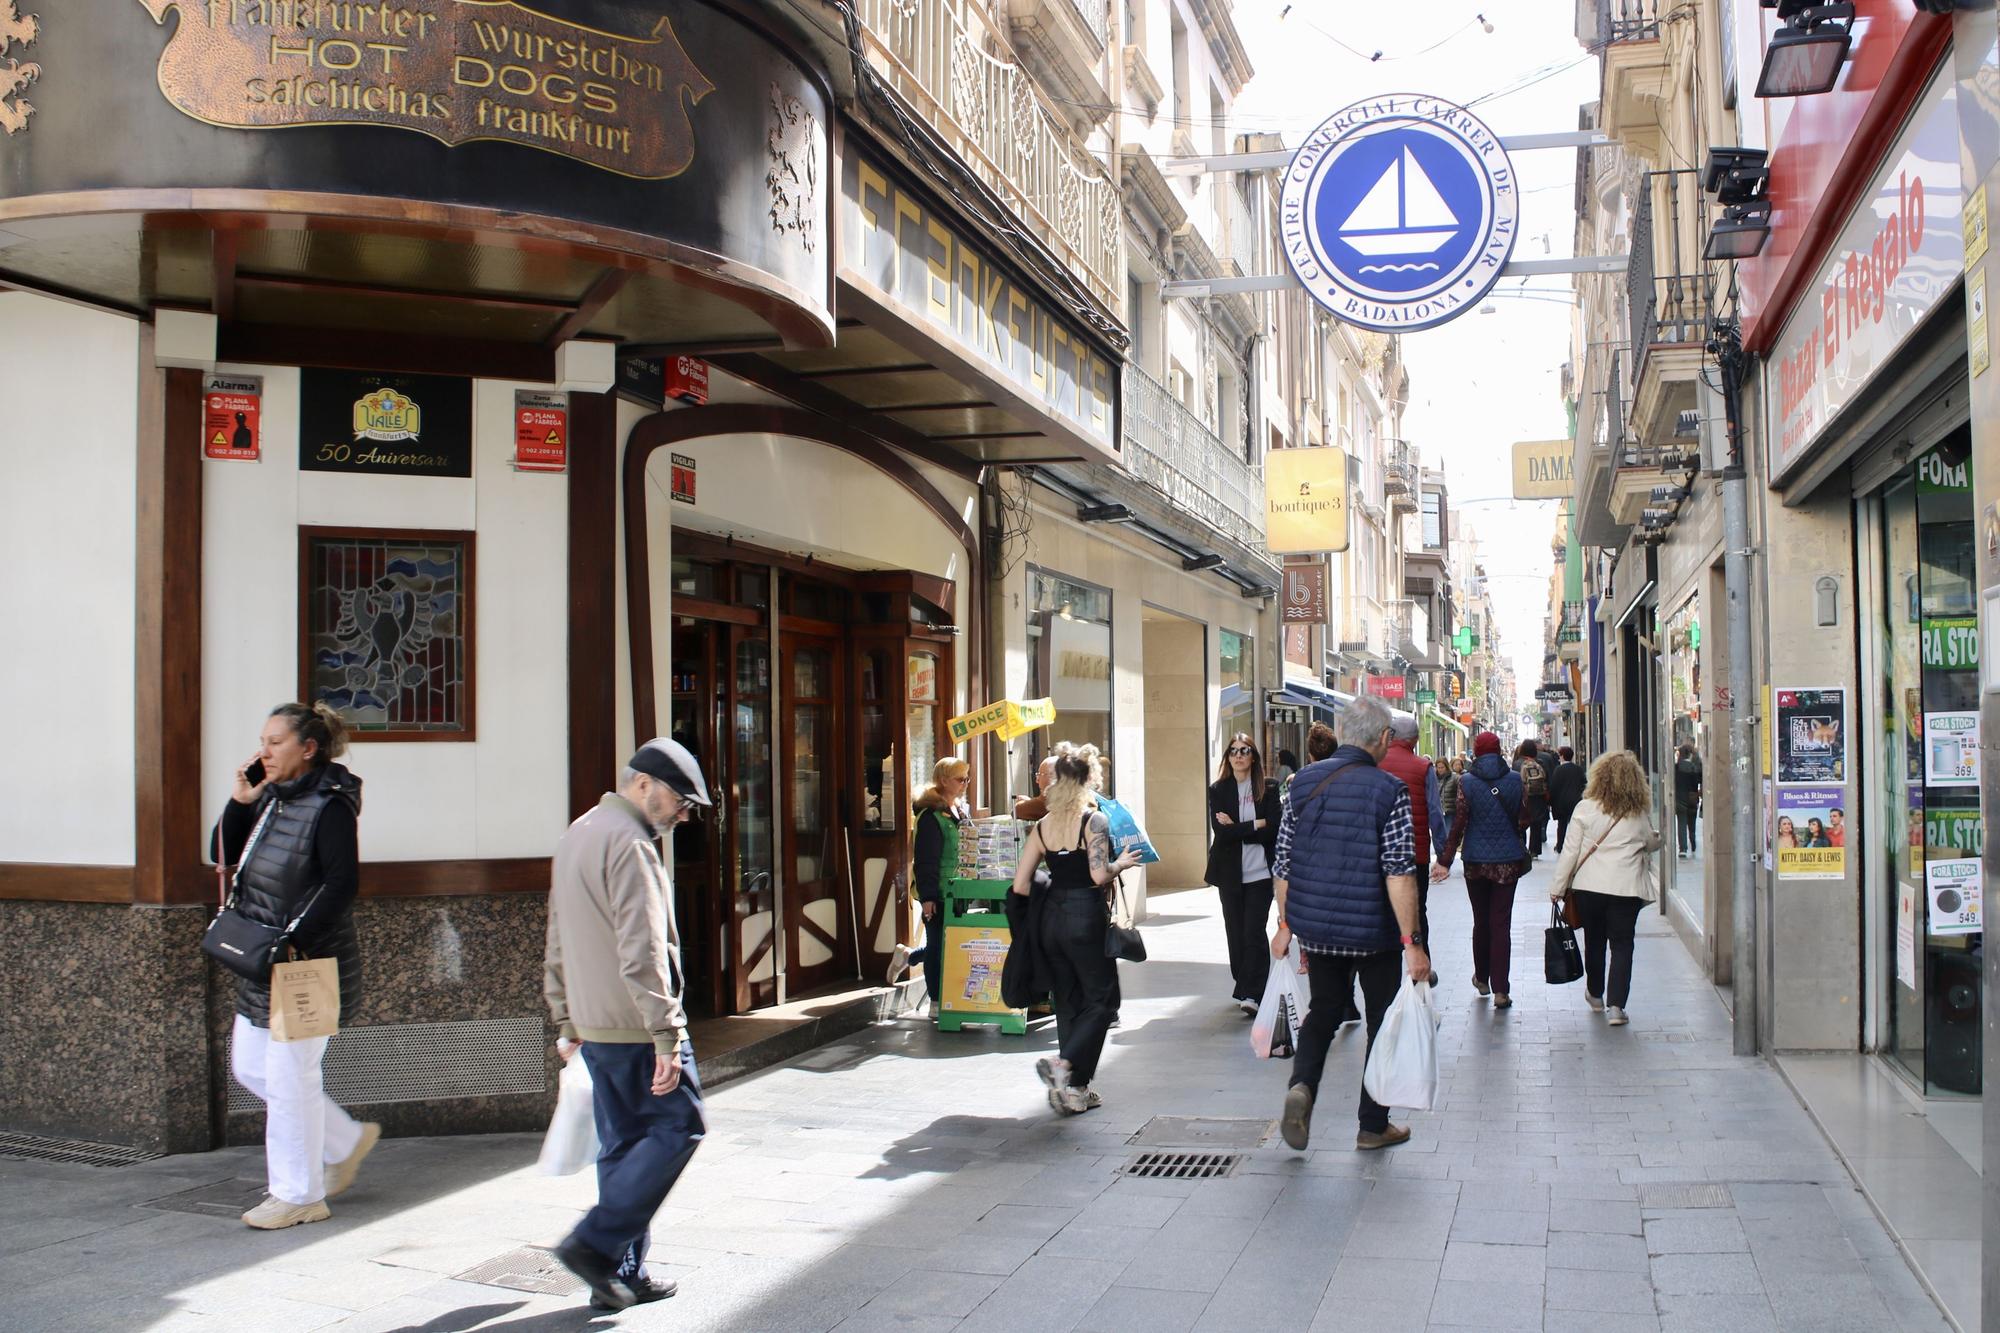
(303, 1129)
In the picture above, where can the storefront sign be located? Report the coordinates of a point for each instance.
(1384, 687)
(1893, 262)
(1398, 213)
(1954, 890)
(1951, 643)
(541, 431)
(1011, 718)
(687, 379)
(1950, 833)
(456, 70)
(904, 254)
(1811, 833)
(1427, 696)
(1305, 500)
(1305, 594)
(682, 477)
(230, 409)
(1811, 736)
(404, 425)
(1544, 469)
(1951, 749)
(1939, 473)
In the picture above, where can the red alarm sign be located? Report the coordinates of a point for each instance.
(687, 379)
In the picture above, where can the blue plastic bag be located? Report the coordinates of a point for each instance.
(1125, 832)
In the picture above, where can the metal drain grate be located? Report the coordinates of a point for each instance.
(1194, 1131)
(224, 1198)
(1668, 1195)
(529, 1268)
(1183, 1165)
(424, 1062)
(72, 1152)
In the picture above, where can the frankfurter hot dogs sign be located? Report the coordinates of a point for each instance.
(455, 70)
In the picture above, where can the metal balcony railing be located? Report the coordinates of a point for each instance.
(1168, 448)
(1096, 16)
(1669, 307)
(1571, 628)
(1399, 475)
(940, 57)
(1629, 20)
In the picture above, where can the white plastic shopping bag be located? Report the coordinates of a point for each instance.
(1403, 1068)
(1275, 1033)
(571, 1144)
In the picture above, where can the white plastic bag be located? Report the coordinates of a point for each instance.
(1403, 1068)
(1275, 1033)
(571, 1144)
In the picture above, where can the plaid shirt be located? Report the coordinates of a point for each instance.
(1398, 854)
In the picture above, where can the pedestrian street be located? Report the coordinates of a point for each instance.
(1572, 1177)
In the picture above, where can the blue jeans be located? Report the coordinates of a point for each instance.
(644, 1143)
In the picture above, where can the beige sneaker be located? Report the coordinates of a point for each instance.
(340, 1175)
(274, 1214)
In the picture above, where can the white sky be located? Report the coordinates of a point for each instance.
(1480, 382)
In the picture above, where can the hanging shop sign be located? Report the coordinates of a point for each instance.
(1427, 696)
(1305, 500)
(909, 258)
(400, 425)
(541, 431)
(1811, 833)
(1384, 687)
(1399, 212)
(231, 408)
(1891, 265)
(1811, 735)
(1544, 469)
(1011, 718)
(1305, 594)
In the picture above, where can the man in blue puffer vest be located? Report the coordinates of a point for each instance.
(1345, 879)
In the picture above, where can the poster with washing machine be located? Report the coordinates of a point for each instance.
(1811, 735)
(1953, 887)
(1951, 749)
(1811, 834)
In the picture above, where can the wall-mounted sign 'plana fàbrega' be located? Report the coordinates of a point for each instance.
(456, 70)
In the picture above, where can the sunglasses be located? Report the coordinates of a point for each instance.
(1241, 749)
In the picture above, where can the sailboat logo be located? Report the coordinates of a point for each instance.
(1402, 214)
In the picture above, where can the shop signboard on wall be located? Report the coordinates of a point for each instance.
(1891, 265)
(541, 431)
(1954, 890)
(1384, 687)
(1951, 749)
(231, 408)
(1305, 594)
(1427, 696)
(1305, 500)
(1544, 469)
(1811, 832)
(1951, 643)
(397, 425)
(1811, 735)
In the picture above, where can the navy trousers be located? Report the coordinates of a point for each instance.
(644, 1143)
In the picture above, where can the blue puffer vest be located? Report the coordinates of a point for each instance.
(1492, 793)
(1336, 895)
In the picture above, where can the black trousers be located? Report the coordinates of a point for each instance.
(1538, 829)
(1608, 920)
(1687, 820)
(1562, 829)
(1246, 913)
(1331, 980)
(1085, 982)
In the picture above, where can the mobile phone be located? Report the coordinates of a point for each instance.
(253, 772)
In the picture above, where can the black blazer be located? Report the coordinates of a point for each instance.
(1225, 847)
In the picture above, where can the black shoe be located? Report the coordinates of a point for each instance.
(608, 1291)
(645, 1290)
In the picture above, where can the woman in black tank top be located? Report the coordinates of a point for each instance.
(1075, 840)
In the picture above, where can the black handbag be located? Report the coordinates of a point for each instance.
(1123, 943)
(249, 948)
(1562, 958)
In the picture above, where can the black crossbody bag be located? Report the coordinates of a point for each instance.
(249, 948)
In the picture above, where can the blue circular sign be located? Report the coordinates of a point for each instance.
(1399, 212)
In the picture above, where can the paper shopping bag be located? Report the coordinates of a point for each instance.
(305, 999)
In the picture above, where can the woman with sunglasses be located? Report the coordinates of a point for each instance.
(1243, 825)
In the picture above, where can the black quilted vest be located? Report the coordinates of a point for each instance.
(282, 870)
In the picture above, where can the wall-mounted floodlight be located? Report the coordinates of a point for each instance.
(1805, 56)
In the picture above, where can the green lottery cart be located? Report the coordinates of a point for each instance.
(974, 880)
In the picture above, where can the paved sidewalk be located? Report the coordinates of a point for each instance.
(1573, 1177)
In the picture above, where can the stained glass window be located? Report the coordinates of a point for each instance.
(388, 630)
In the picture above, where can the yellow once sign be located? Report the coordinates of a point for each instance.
(1543, 470)
(1305, 500)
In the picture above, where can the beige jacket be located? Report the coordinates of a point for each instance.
(1622, 864)
(612, 968)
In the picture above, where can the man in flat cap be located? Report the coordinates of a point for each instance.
(612, 975)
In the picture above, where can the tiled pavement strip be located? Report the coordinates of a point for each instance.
(906, 1179)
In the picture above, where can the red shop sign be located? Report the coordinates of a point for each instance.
(541, 431)
(1386, 687)
(230, 408)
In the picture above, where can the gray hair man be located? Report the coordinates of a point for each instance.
(1426, 807)
(612, 978)
(1345, 879)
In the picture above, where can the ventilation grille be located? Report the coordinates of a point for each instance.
(529, 1268)
(428, 1062)
(72, 1151)
(1183, 1165)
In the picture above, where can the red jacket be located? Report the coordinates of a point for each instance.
(1415, 771)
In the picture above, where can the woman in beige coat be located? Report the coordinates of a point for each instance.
(1607, 862)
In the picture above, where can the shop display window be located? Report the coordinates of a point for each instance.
(1239, 690)
(386, 630)
(1070, 661)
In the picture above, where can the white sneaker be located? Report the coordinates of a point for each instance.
(1596, 1002)
(1616, 1017)
(274, 1214)
(934, 1011)
(1075, 1101)
(899, 963)
(1248, 1006)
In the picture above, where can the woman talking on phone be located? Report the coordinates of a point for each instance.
(290, 829)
